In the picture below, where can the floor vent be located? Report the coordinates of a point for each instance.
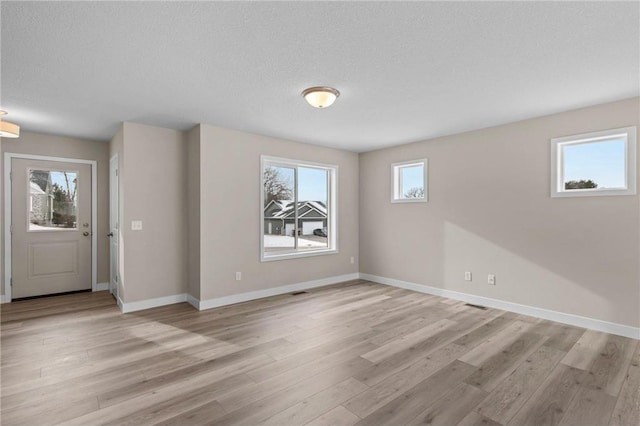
(297, 293)
(484, 308)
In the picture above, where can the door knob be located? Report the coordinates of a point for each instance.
(110, 234)
(85, 233)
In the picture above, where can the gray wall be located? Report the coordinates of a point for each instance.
(57, 146)
(230, 213)
(153, 182)
(489, 211)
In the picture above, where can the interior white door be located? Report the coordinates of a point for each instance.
(113, 225)
(51, 227)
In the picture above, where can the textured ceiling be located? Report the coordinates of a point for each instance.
(406, 71)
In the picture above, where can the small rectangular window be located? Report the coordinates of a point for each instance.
(298, 208)
(53, 200)
(600, 163)
(409, 181)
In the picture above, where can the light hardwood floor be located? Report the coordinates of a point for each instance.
(356, 353)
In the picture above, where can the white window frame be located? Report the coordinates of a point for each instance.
(332, 211)
(396, 181)
(628, 134)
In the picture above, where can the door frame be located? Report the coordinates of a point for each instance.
(8, 157)
(114, 185)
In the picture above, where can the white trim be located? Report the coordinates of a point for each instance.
(332, 212)
(296, 254)
(268, 292)
(102, 286)
(230, 300)
(3, 299)
(127, 307)
(114, 229)
(7, 229)
(565, 318)
(8, 156)
(193, 301)
(628, 134)
(396, 181)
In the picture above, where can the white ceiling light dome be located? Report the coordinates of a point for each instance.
(320, 96)
(8, 130)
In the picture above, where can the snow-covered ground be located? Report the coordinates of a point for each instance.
(283, 241)
(34, 227)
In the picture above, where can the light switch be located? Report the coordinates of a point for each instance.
(136, 225)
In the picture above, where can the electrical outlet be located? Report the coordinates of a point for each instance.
(467, 276)
(353, 260)
(491, 279)
(136, 225)
(238, 276)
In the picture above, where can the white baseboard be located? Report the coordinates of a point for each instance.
(127, 307)
(565, 318)
(571, 319)
(193, 301)
(101, 287)
(259, 294)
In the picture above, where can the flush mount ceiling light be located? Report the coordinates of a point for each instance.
(8, 130)
(320, 97)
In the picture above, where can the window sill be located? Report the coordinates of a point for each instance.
(591, 193)
(409, 200)
(295, 255)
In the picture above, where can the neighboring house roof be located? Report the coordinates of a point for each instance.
(284, 209)
(282, 204)
(36, 190)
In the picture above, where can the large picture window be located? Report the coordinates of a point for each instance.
(298, 208)
(601, 163)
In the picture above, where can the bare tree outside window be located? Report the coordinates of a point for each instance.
(416, 192)
(53, 199)
(277, 186)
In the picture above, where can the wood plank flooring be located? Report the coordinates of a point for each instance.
(356, 353)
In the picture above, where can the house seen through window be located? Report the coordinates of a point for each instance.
(298, 208)
(53, 200)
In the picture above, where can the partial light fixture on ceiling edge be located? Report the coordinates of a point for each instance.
(320, 96)
(8, 130)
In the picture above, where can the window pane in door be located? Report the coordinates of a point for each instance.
(279, 209)
(53, 200)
